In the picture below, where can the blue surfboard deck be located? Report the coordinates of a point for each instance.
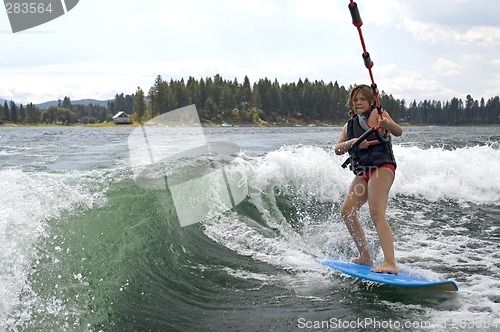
(399, 280)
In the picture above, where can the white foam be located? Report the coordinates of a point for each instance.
(466, 174)
(311, 171)
(310, 175)
(470, 260)
(307, 174)
(27, 202)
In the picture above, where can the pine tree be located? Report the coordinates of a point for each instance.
(158, 97)
(139, 105)
(22, 114)
(4, 116)
(13, 111)
(67, 103)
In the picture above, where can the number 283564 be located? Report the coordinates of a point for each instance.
(28, 8)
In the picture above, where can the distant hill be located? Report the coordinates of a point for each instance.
(2, 101)
(48, 104)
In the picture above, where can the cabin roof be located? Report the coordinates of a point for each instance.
(121, 114)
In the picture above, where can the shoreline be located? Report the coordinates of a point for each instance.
(211, 124)
(204, 123)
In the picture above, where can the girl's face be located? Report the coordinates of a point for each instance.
(360, 103)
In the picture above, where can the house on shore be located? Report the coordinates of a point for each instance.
(122, 118)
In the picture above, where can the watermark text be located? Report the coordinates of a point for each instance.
(390, 324)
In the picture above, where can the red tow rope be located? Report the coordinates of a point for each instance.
(357, 22)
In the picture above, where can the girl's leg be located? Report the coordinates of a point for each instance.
(355, 198)
(378, 191)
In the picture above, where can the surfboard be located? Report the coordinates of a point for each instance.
(398, 280)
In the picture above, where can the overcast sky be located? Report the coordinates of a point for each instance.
(423, 49)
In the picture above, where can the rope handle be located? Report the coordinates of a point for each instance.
(358, 22)
(381, 138)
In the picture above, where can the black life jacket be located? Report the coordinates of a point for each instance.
(375, 155)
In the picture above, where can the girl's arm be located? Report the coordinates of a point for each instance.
(342, 145)
(389, 124)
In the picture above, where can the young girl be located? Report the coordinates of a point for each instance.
(375, 167)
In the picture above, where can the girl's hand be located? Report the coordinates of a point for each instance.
(363, 145)
(384, 123)
(388, 124)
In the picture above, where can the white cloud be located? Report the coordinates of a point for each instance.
(417, 88)
(287, 71)
(173, 16)
(103, 79)
(410, 84)
(435, 33)
(471, 57)
(494, 85)
(480, 35)
(428, 32)
(99, 80)
(373, 13)
(326, 10)
(259, 7)
(382, 12)
(426, 44)
(446, 67)
(495, 91)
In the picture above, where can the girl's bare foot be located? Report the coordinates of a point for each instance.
(386, 268)
(368, 261)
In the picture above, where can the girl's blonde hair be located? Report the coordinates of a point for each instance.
(367, 93)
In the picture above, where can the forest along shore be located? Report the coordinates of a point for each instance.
(264, 102)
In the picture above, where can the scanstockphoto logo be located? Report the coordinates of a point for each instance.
(27, 14)
(162, 152)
